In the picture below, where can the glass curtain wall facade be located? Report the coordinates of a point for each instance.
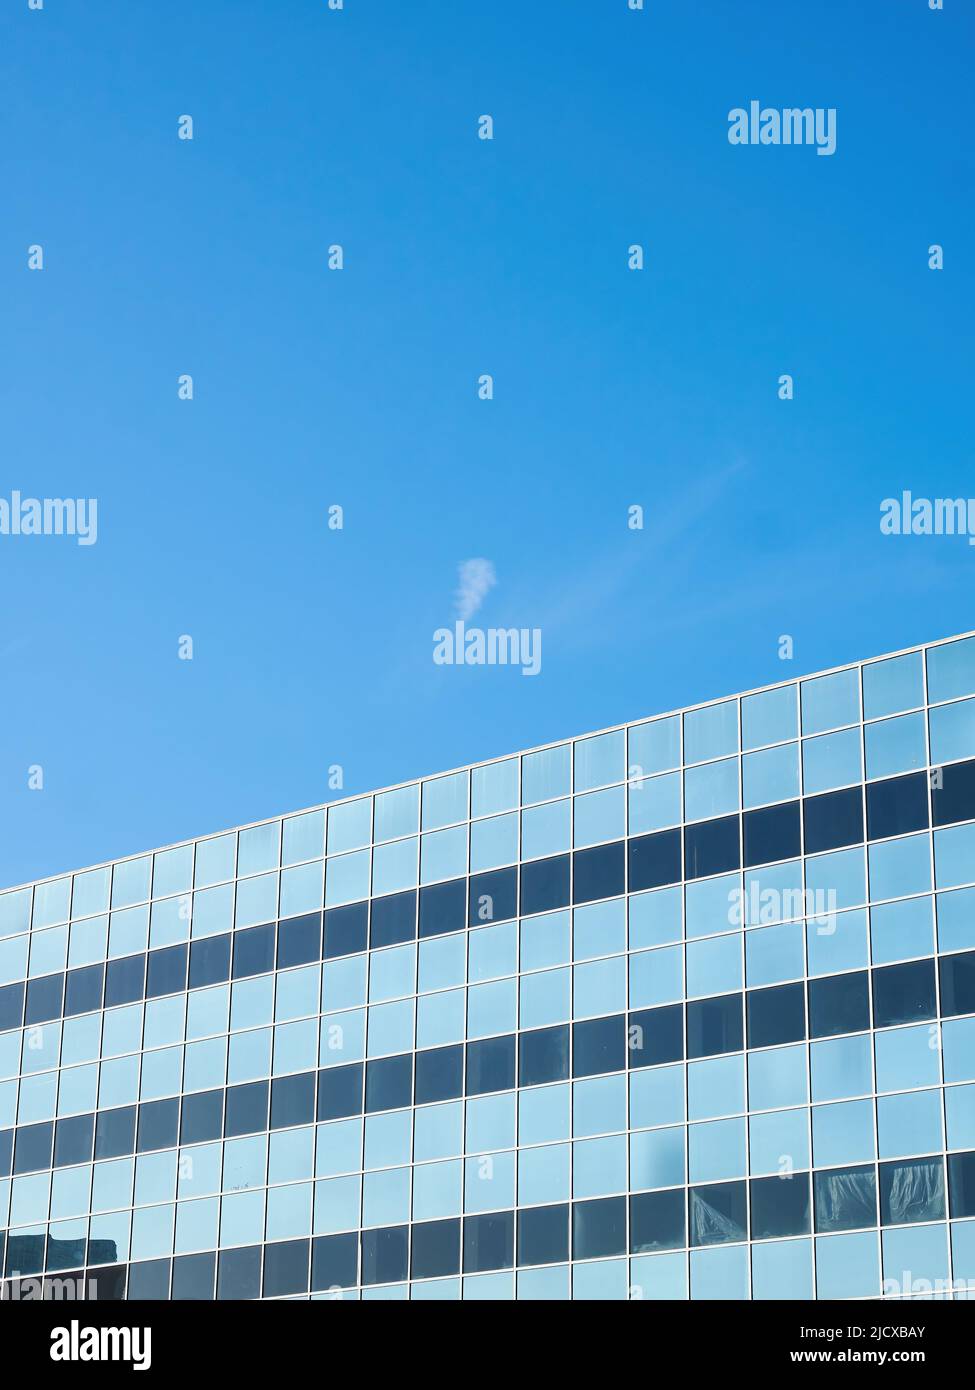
(684, 1009)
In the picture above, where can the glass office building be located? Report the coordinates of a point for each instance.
(684, 1009)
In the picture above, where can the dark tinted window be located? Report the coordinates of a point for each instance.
(246, 1109)
(897, 806)
(719, 1213)
(125, 980)
(340, 1092)
(389, 1083)
(912, 1190)
(83, 990)
(239, 1273)
(33, 1147)
(210, 961)
(149, 1281)
(74, 1140)
(193, 1277)
(780, 1206)
(202, 1117)
(11, 1007)
(299, 940)
(493, 897)
(838, 1004)
(335, 1262)
(393, 919)
(598, 873)
(776, 1015)
(167, 971)
(711, 847)
(846, 1198)
(904, 993)
(654, 860)
(443, 907)
(158, 1125)
(345, 930)
(545, 884)
(961, 1183)
(254, 951)
(489, 1242)
(490, 1065)
(44, 997)
(833, 820)
(598, 1045)
(954, 799)
(543, 1235)
(715, 1026)
(439, 1074)
(436, 1249)
(286, 1268)
(384, 1255)
(657, 1221)
(115, 1132)
(656, 1035)
(544, 1056)
(293, 1100)
(599, 1228)
(958, 984)
(771, 833)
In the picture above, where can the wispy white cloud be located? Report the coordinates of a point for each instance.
(475, 579)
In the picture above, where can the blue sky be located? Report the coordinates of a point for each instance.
(313, 388)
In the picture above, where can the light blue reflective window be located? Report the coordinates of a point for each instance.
(70, 1191)
(443, 963)
(900, 867)
(344, 982)
(599, 1166)
(958, 1041)
(207, 1011)
(161, 1073)
(778, 1142)
(257, 901)
(960, 1111)
(343, 1038)
(954, 856)
(494, 788)
(303, 837)
(215, 860)
(493, 952)
(841, 1067)
(37, 1098)
(445, 801)
(599, 929)
(772, 775)
(252, 1002)
(112, 1184)
(895, 745)
(130, 884)
(128, 932)
(782, 1269)
(340, 1147)
(712, 905)
(720, 1273)
(336, 1205)
(440, 1018)
(657, 1096)
(952, 732)
(443, 854)
(298, 993)
(152, 1232)
(122, 1030)
(48, 951)
(711, 732)
(956, 920)
(715, 1087)
(901, 930)
(394, 867)
(831, 761)
(390, 1029)
(773, 954)
(908, 1057)
(911, 1123)
(657, 1158)
(599, 760)
(773, 893)
(544, 998)
(438, 1131)
(892, 686)
(213, 911)
(301, 889)
(598, 1106)
(915, 1259)
(837, 879)
(654, 747)
(848, 1266)
(492, 1008)
(206, 1065)
(87, 942)
(828, 702)
(543, 1175)
(397, 813)
(88, 896)
(386, 1197)
(494, 842)
(14, 912)
(777, 1077)
(346, 878)
(244, 1163)
(963, 1251)
(258, 849)
(169, 921)
(714, 967)
(242, 1218)
(843, 1133)
(546, 829)
(659, 1276)
(769, 717)
(711, 790)
(543, 1114)
(392, 973)
(155, 1177)
(296, 1046)
(546, 774)
(438, 1190)
(836, 941)
(604, 1281)
(654, 803)
(82, 1041)
(489, 1182)
(599, 987)
(656, 977)
(716, 1151)
(600, 816)
(349, 825)
(490, 1122)
(655, 918)
(544, 940)
(951, 670)
(112, 1231)
(250, 1056)
(548, 1284)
